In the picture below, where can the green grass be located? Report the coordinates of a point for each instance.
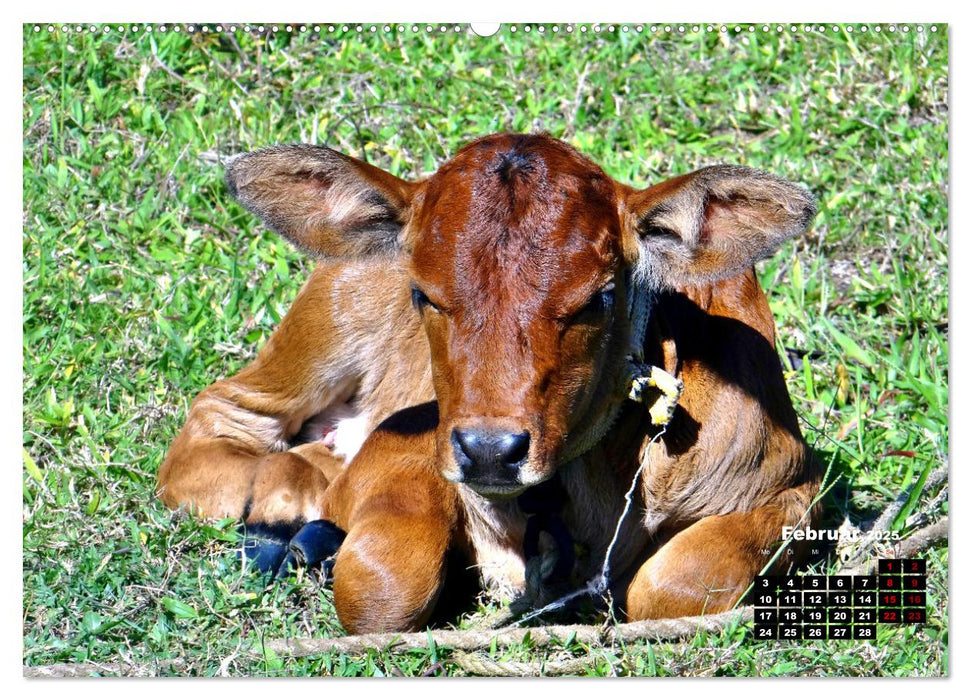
(143, 283)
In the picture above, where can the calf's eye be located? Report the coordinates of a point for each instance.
(598, 306)
(420, 301)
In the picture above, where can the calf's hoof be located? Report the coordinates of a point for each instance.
(276, 551)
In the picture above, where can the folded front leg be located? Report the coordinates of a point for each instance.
(400, 516)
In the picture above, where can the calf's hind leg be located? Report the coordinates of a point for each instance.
(707, 567)
(232, 459)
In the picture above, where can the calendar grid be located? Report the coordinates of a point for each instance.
(841, 606)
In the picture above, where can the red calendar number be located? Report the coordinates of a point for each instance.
(917, 616)
(890, 615)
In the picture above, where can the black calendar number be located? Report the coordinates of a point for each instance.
(791, 583)
(765, 599)
(840, 583)
(890, 566)
(864, 583)
(790, 599)
(840, 631)
(864, 615)
(816, 616)
(815, 600)
(814, 583)
(864, 632)
(766, 631)
(840, 599)
(790, 632)
(814, 632)
(790, 616)
(889, 583)
(766, 583)
(839, 616)
(766, 616)
(864, 598)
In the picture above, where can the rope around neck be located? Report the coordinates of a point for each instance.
(636, 377)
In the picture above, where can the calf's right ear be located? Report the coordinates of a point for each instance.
(324, 202)
(712, 223)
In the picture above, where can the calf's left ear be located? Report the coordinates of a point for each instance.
(712, 223)
(322, 201)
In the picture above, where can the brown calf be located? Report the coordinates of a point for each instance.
(512, 286)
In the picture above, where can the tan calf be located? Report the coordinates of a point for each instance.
(478, 329)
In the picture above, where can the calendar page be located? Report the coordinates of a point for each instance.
(519, 349)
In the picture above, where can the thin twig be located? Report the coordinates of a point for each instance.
(161, 64)
(882, 524)
(923, 538)
(578, 96)
(231, 38)
(224, 71)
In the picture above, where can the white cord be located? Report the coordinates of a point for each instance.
(599, 583)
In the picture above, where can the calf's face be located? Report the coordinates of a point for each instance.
(522, 255)
(516, 259)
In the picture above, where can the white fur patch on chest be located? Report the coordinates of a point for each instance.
(349, 434)
(501, 570)
(340, 427)
(495, 531)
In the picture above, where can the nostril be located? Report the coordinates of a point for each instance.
(464, 444)
(486, 451)
(515, 448)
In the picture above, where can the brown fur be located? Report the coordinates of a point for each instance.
(510, 246)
